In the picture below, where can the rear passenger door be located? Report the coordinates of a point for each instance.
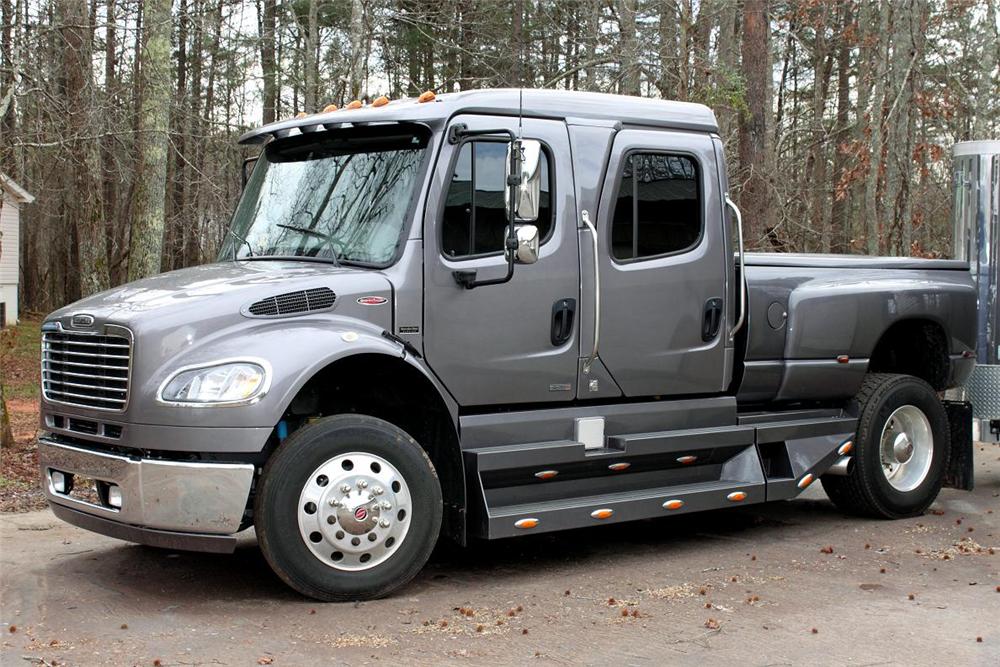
(663, 266)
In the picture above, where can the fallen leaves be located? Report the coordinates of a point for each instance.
(712, 624)
(265, 660)
(827, 550)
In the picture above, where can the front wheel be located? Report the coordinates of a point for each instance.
(901, 450)
(348, 508)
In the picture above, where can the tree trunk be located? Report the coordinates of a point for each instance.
(268, 64)
(839, 221)
(146, 242)
(871, 210)
(82, 207)
(6, 435)
(753, 158)
(667, 29)
(358, 48)
(629, 75)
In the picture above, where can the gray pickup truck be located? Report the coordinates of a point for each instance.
(488, 314)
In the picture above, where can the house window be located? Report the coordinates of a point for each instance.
(475, 216)
(658, 211)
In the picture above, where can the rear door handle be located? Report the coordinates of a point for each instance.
(563, 312)
(711, 319)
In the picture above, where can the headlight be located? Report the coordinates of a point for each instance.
(235, 382)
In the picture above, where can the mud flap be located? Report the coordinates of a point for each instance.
(959, 473)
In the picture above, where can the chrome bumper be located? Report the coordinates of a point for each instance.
(171, 496)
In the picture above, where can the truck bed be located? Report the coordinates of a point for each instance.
(815, 321)
(830, 261)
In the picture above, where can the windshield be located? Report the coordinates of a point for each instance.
(341, 195)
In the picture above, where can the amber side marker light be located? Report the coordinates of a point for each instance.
(846, 447)
(736, 496)
(604, 513)
(687, 460)
(427, 96)
(546, 474)
(526, 523)
(380, 101)
(355, 104)
(673, 504)
(330, 107)
(618, 467)
(806, 481)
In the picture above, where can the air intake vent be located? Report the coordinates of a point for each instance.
(291, 303)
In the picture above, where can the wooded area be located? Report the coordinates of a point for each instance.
(121, 115)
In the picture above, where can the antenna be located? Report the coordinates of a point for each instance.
(520, 70)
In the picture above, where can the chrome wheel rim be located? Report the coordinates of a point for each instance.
(906, 448)
(354, 511)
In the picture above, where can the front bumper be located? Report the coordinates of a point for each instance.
(184, 505)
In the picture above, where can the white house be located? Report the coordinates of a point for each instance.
(12, 196)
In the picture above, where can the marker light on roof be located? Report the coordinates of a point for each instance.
(356, 104)
(426, 96)
(301, 114)
(380, 101)
(330, 107)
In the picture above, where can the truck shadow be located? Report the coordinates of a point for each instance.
(199, 582)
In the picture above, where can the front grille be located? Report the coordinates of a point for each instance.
(85, 369)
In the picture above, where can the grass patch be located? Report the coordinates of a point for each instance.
(19, 358)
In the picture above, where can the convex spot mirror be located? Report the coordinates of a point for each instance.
(528, 192)
(527, 244)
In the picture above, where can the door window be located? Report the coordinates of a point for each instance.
(657, 211)
(475, 216)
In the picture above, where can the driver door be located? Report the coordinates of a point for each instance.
(514, 342)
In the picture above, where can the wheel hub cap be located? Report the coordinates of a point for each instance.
(354, 511)
(906, 448)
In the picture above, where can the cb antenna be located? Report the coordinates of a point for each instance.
(520, 69)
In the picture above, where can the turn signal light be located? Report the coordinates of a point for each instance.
(426, 96)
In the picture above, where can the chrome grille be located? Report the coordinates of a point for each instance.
(86, 369)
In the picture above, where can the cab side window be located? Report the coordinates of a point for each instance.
(475, 217)
(658, 209)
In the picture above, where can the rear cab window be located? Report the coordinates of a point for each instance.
(658, 208)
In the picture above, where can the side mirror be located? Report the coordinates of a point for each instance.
(528, 197)
(527, 244)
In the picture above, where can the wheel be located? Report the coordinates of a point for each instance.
(348, 508)
(901, 449)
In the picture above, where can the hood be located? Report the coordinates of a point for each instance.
(204, 313)
(211, 285)
(224, 290)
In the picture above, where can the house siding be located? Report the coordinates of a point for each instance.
(9, 277)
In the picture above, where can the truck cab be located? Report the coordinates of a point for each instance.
(489, 313)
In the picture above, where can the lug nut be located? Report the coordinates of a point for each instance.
(386, 506)
(334, 502)
(384, 523)
(362, 484)
(378, 490)
(345, 488)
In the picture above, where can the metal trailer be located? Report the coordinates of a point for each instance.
(977, 240)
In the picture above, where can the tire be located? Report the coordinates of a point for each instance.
(879, 484)
(312, 465)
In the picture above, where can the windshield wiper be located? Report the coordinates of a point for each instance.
(244, 241)
(327, 239)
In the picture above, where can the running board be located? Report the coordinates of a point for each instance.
(548, 486)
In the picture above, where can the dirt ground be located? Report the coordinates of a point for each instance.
(788, 583)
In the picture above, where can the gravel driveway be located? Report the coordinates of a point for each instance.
(788, 583)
